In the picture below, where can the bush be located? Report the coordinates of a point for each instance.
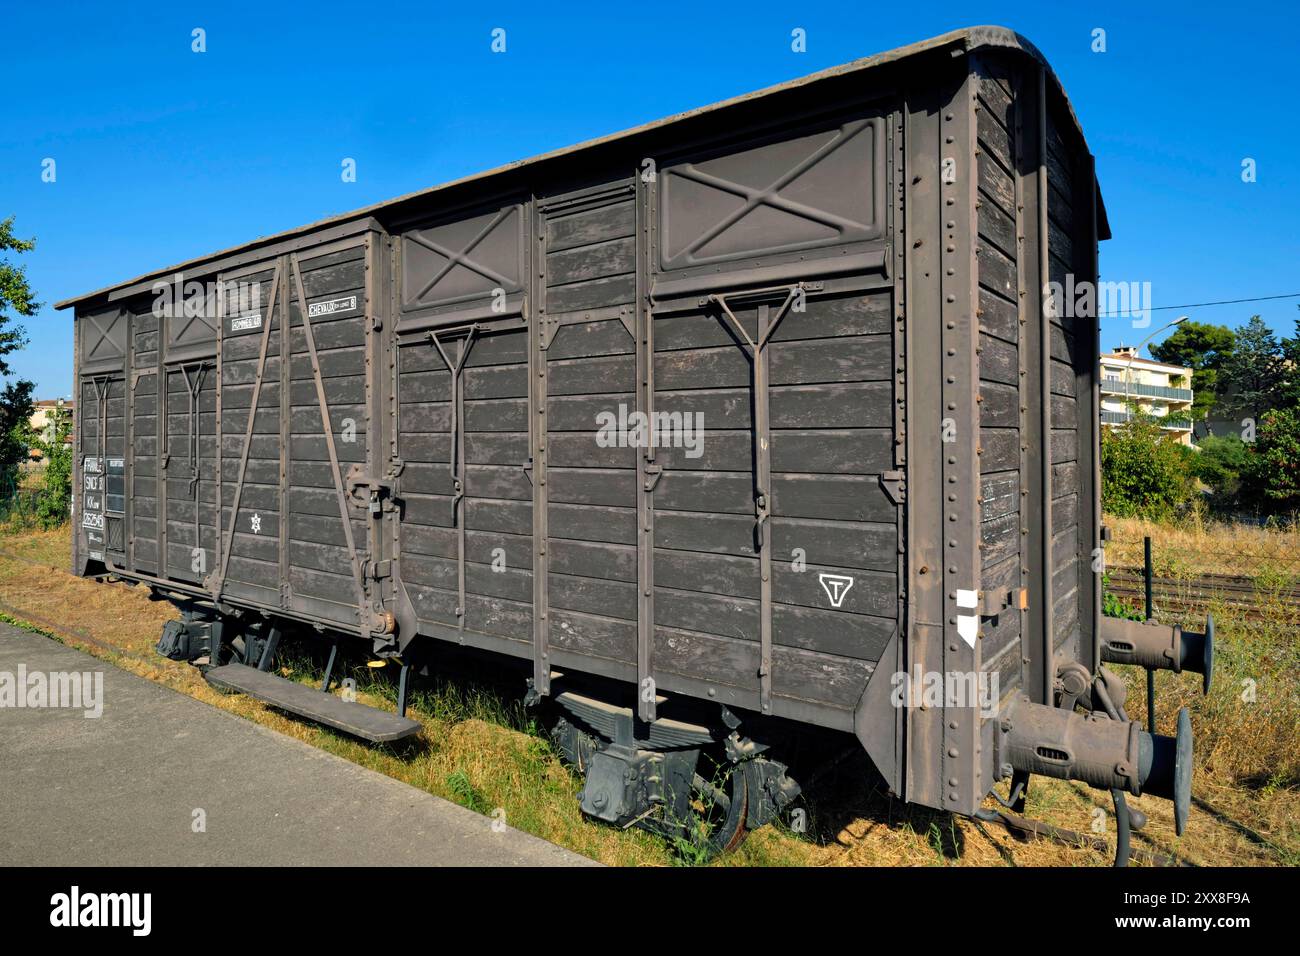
(55, 499)
(1114, 606)
(1272, 472)
(54, 496)
(1145, 472)
(1220, 463)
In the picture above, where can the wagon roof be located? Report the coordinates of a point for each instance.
(968, 39)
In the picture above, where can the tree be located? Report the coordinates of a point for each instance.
(15, 293)
(16, 399)
(1251, 378)
(15, 410)
(1219, 463)
(55, 498)
(1202, 348)
(1290, 387)
(1145, 472)
(1273, 472)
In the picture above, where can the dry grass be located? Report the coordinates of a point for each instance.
(1197, 546)
(1248, 729)
(481, 749)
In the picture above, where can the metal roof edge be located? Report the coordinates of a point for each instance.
(970, 38)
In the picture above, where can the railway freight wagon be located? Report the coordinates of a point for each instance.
(769, 414)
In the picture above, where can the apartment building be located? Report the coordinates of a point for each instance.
(45, 412)
(1155, 388)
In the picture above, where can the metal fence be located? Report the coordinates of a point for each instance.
(20, 498)
(1181, 576)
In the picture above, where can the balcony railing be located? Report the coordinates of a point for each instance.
(1176, 422)
(1116, 386)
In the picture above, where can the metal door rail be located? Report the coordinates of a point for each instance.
(101, 415)
(756, 349)
(457, 456)
(193, 387)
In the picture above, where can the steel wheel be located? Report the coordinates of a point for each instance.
(722, 810)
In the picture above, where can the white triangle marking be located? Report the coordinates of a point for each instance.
(836, 586)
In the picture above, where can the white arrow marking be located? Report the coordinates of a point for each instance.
(968, 626)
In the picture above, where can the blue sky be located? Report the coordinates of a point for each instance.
(163, 154)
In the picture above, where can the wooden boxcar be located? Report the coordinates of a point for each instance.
(728, 420)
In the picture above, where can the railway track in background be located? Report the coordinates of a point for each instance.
(1194, 593)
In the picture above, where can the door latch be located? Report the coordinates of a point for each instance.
(366, 491)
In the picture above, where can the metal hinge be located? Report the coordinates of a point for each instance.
(652, 475)
(895, 485)
(995, 602)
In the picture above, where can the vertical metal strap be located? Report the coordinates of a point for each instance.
(392, 348)
(285, 412)
(217, 462)
(1094, 435)
(648, 468)
(248, 433)
(160, 433)
(376, 426)
(101, 418)
(1045, 397)
(1026, 526)
(129, 382)
(536, 470)
(363, 608)
(457, 463)
(763, 500)
(759, 375)
(191, 427)
(960, 778)
(192, 438)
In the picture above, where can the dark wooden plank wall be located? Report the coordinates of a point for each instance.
(497, 510)
(183, 498)
(1069, 345)
(831, 421)
(90, 416)
(253, 566)
(429, 546)
(320, 565)
(144, 424)
(591, 491)
(1001, 343)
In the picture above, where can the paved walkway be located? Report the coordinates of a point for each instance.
(121, 789)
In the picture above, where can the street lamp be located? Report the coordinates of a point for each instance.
(1128, 376)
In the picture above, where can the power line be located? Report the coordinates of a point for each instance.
(1201, 305)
